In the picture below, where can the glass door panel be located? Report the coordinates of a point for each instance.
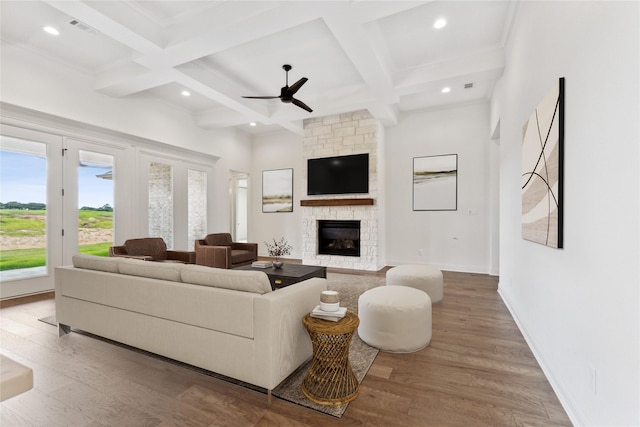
(95, 202)
(31, 210)
(23, 208)
(161, 202)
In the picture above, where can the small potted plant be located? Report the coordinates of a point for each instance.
(277, 249)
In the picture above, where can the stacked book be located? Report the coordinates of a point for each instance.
(262, 264)
(334, 316)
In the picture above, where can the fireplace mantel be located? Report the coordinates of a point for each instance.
(337, 202)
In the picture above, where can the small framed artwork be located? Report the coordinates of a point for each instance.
(277, 190)
(542, 170)
(435, 183)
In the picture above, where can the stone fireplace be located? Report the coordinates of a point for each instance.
(338, 135)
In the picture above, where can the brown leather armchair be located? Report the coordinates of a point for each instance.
(151, 249)
(217, 250)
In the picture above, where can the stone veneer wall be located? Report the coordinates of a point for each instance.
(343, 134)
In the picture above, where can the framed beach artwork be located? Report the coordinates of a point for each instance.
(277, 190)
(435, 183)
(542, 170)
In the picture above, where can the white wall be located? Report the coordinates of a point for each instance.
(278, 150)
(578, 306)
(450, 240)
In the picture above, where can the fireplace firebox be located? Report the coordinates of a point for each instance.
(339, 238)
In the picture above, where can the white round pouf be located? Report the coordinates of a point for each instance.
(423, 277)
(395, 318)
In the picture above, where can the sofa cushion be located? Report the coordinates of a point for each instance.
(247, 281)
(92, 262)
(150, 269)
(218, 239)
(240, 255)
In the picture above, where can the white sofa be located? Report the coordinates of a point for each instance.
(225, 321)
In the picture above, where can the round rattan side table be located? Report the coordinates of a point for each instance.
(330, 380)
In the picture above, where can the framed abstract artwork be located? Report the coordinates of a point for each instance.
(435, 183)
(542, 170)
(277, 190)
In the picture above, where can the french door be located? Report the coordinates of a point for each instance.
(59, 197)
(95, 197)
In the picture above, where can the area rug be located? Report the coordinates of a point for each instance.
(361, 356)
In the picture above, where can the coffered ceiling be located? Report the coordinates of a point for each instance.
(383, 56)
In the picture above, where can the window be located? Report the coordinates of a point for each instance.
(197, 205)
(161, 202)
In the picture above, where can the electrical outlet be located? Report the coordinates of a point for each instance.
(420, 252)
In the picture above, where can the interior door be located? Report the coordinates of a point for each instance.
(241, 210)
(238, 204)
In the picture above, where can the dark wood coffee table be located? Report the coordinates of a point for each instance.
(289, 273)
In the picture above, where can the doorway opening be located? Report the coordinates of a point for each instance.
(239, 196)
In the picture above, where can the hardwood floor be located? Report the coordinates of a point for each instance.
(477, 371)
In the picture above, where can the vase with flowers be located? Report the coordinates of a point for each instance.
(277, 249)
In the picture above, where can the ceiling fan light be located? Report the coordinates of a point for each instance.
(440, 23)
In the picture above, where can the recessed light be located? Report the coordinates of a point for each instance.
(252, 124)
(186, 93)
(440, 23)
(446, 89)
(51, 30)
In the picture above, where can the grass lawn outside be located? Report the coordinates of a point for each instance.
(28, 258)
(30, 224)
(19, 222)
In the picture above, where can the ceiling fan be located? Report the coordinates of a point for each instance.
(287, 92)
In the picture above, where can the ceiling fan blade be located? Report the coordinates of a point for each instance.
(301, 104)
(262, 97)
(297, 85)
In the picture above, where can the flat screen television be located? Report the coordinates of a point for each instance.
(338, 175)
